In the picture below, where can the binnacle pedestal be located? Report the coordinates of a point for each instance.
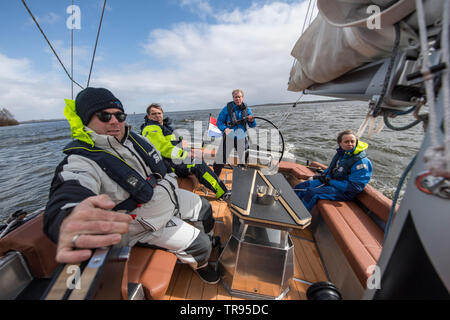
(257, 262)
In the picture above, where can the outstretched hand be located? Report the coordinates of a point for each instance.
(96, 225)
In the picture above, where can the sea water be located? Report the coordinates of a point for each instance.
(29, 153)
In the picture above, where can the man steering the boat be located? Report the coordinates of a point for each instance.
(108, 170)
(160, 133)
(346, 176)
(233, 121)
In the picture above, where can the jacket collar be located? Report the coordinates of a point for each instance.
(104, 141)
(360, 147)
(149, 122)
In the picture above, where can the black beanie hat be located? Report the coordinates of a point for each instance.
(92, 100)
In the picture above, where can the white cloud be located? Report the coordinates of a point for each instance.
(200, 7)
(200, 64)
(49, 18)
(249, 49)
(28, 94)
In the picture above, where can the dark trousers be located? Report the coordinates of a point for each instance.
(203, 173)
(227, 145)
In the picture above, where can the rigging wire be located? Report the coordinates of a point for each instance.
(377, 109)
(288, 113)
(308, 14)
(51, 47)
(312, 13)
(445, 80)
(96, 42)
(434, 156)
(306, 17)
(425, 70)
(71, 51)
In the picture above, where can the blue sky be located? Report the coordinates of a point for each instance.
(184, 54)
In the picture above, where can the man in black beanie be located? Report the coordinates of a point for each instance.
(91, 100)
(111, 169)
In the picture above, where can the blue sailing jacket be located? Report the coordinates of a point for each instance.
(350, 171)
(225, 118)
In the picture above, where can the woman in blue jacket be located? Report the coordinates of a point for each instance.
(346, 176)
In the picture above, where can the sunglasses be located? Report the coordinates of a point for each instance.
(104, 116)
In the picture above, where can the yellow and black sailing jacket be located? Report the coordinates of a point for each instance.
(162, 137)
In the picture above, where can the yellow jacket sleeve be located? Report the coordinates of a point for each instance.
(163, 143)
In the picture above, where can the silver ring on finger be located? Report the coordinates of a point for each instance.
(74, 239)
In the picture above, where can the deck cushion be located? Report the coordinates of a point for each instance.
(152, 268)
(38, 250)
(357, 235)
(298, 171)
(376, 202)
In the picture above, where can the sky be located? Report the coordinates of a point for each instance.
(183, 54)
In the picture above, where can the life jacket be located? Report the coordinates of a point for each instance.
(140, 189)
(340, 169)
(165, 127)
(232, 114)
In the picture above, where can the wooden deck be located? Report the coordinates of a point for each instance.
(186, 285)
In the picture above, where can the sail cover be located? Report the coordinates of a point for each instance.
(345, 35)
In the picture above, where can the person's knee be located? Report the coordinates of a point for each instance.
(206, 215)
(309, 195)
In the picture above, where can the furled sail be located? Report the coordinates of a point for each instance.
(345, 35)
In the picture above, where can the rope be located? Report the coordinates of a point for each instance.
(397, 193)
(387, 78)
(434, 156)
(71, 53)
(406, 127)
(425, 70)
(445, 80)
(288, 113)
(96, 42)
(416, 108)
(51, 47)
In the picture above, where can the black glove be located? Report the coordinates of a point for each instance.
(325, 180)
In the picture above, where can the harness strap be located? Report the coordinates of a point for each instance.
(232, 113)
(347, 164)
(139, 188)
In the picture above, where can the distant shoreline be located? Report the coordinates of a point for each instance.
(301, 102)
(42, 120)
(253, 106)
(8, 123)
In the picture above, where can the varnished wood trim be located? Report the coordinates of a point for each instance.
(285, 205)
